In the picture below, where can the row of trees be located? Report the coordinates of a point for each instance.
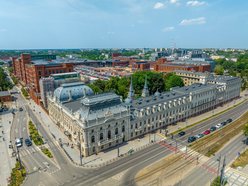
(156, 81)
(5, 84)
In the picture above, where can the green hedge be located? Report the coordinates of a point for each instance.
(24, 92)
(17, 175)
(36, 137)
(47, 152)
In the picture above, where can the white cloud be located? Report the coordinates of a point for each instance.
(196, 3)
(159, 5)
(195, 21)
(168, 29)
(174, 1)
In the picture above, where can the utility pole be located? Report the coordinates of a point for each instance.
(19, 158)
(219, 159)
(118, 151)
(222, 180)
(80, 149)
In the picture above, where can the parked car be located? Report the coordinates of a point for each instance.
(28, 142)
(206, 132)
(191, 139)
(229, 120)
(213, 128)
(199, 136)
(20, 109)
(218, 126)
(223, 123)
(18, 142)
(182, 133)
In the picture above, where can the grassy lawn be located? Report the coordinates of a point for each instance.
(17, 176)
(47, 152)
(241, 161)
(213, 142)
(35, 136)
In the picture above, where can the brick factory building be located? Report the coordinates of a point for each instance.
(141, 66)
(29, 72)
(162, 65)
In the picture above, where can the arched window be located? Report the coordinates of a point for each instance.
(123, 128)
(109, 134)
(116, 131)
(93, 139)
(101, 136)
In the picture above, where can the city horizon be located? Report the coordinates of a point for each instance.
(123, 24)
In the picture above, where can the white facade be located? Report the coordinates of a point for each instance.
(99, 122)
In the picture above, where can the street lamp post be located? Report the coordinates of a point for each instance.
(80, 149)
(19, 158)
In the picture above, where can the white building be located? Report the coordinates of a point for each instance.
(99, 122)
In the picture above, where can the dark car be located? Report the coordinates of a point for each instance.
(28, 142)
(229, 120)
(213, 128)
(20, 109)
(191, 139)
(206, 132)
(223, 123)
(182, 133)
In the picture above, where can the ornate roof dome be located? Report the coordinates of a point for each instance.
(72, 91)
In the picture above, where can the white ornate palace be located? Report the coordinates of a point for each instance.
(99, 122)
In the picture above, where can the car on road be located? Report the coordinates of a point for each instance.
(218, 126)
(191, 139)
(223, 123)
(206, 132)
(28, 142)
(18, 142)
(229, 120)
(20, 109)
(182, 133)
(213, 128)
(199, 136)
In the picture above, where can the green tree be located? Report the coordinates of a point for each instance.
(219, 70)
(172, 80)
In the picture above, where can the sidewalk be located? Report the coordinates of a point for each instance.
(6, 159)
(111, 154)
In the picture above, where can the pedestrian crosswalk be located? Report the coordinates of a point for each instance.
(27, 151)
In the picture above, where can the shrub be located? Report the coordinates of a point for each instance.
(17, 175)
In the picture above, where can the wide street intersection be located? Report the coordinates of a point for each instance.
(60, 171)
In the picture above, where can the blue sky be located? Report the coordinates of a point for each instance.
(35, 24)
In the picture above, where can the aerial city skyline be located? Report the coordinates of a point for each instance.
(123, 24)
(123, 92)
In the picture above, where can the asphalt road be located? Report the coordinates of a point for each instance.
(41, 170)
(62, 172)
(202, 176)
(147, 156)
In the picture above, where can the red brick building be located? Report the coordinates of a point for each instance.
(29, 72)
(162, 65)
(140, 66)
(5, 96)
